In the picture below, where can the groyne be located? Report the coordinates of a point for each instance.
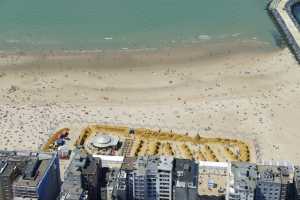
(281, 14)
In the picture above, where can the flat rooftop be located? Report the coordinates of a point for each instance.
(28, 160)
(269, 174)
(244, 175)
(189, 170)
(216, 173)
(6, 168)
(33, 182)
(154, 163)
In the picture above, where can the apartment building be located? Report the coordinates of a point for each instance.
(8, 173)
(152, 178)
(29, 175)
(40, 179)
(82, 178)
(297, 183)
(145, 178)
(272, 183)
(241, 182)
(185, 179)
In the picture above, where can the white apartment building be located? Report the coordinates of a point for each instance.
(151, 178)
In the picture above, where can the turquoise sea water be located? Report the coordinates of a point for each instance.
(99, 24)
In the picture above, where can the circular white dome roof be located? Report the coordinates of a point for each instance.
(101, 139)
(104, 140)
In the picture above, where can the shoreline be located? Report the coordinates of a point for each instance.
(179, 44)
(206, 50)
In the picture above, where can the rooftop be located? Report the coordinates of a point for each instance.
(128, 163)
(153, 163)
(3, 165)
(35, 176)
(33, 165)
(244, 176)
(104, 140)
(71, 188)
(187, 171)
(272, 173)
(7, 167)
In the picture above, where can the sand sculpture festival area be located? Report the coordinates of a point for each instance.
(243, 93)
(130, 142)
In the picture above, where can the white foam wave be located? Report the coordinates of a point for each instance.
(108, 38)
(204, 37)
(236, 34)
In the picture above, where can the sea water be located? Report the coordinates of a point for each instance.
(36, 25)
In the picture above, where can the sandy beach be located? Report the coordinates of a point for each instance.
(246, 93)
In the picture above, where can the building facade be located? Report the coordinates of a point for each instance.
(185, 179)
(8, 173)
(82, 178)
(241, 181)
(31, 175)
(248, 181)
(152, 178)
(40, 179)
(145, 178)
(91, 175)
(272, 183)
(297, 183)
(157, 178)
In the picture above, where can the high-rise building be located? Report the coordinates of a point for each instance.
(124, 187)
(241, 182)
(152, 178)
(72, 188)
(8, 173)
(297, 183)
(258, 182)
(185, 179)
(90, 176)
(157, 178)
(40, 178)
(121, 189)
(108, 184)
(272, 183)
(29, 175)
(145, 178)
(81, 180)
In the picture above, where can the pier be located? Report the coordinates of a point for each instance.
(281, 12)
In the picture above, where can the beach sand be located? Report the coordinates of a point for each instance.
(247, 93)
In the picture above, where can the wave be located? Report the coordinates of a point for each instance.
(236, 34)
(12, 41)
(108, 38)
(204, 37)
